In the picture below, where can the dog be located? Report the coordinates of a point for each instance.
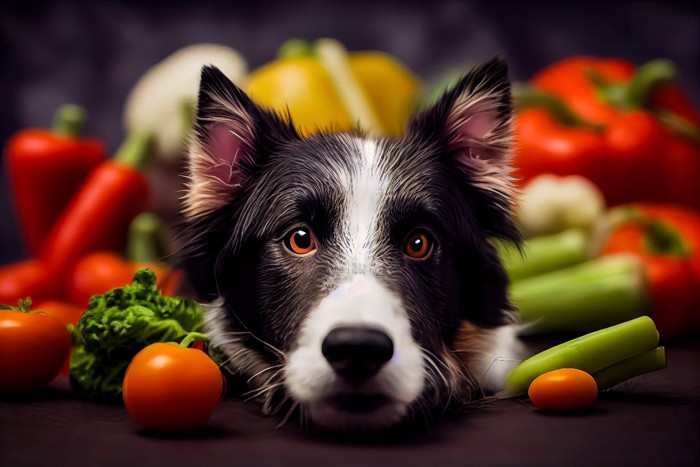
(351, 278)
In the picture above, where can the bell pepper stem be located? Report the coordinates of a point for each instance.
(646, 362)
(679, 125)
(526, 97)
(136, 151)
(293, 48)
(582, 298)
(69, 120)
(591, 353)
(149, 239)
(545, 253)
(648, 77)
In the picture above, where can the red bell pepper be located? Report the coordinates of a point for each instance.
(630, 132)
(667, 241)
(572, 81)
(621, 159)
(45, 170)
(99, 215)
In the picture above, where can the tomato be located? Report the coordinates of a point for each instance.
(102, 271)
(169, 388)
(33, 347)
(67, 313)
(95, 274)
(563, 390)
(24, 278)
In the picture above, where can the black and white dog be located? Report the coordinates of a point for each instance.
(347, 276)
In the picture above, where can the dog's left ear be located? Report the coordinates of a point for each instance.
(473, 123)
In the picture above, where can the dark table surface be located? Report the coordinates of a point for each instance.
(651, 420)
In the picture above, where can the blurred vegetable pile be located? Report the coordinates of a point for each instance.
(608, 158)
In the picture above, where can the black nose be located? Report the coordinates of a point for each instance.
(357, 353)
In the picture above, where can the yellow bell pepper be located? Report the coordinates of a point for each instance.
(327, 89)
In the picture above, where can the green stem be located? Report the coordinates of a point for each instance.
(149, 239)
(582, 298)
(193, 336)
(136, 151)
(526, 97)
(295, 48)
(591, 353)
(69, 120)
(646, 362)
(648, 77)
(679, 125)
(545, 253)
(23, 305)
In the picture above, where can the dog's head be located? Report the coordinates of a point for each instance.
(337, 268)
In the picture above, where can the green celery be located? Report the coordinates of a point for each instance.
(582, 298)
(545, 253)
(646, 362)
(592, 353)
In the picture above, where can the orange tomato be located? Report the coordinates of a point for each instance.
(563, 390)
(169, 388)
(33, 347)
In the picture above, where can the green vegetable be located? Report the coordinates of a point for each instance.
(117, 325)
(545, 253)
(646, 362)
(591, 353)
(582, 298)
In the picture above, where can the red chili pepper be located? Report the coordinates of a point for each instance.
(46, 168)
(99, 215)
(667, 240)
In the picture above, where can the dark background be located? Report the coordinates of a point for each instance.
(91, 53)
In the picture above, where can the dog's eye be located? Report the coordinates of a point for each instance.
(418, 244)
(300, 241)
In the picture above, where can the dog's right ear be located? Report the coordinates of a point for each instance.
(232, 136)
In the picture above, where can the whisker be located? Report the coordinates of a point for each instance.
(272, 367)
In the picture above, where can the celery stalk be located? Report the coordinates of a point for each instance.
(545, 253)
(646, 362)
(582, 298)
(591, 353)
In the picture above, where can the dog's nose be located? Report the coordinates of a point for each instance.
(357, 353)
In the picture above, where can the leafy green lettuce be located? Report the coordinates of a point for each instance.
(117, 325)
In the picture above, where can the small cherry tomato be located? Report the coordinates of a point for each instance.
(170, 388)
(566, 389)
(33, 347)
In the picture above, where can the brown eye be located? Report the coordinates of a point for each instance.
(300, 241)
(418, 245)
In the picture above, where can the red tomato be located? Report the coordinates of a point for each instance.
(95, 274)
(169, 388)
(67, 313)
(102, 271)
(563, 390)
(26, 278)
(33, 347)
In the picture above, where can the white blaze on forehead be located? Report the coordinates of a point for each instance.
(365, 188)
